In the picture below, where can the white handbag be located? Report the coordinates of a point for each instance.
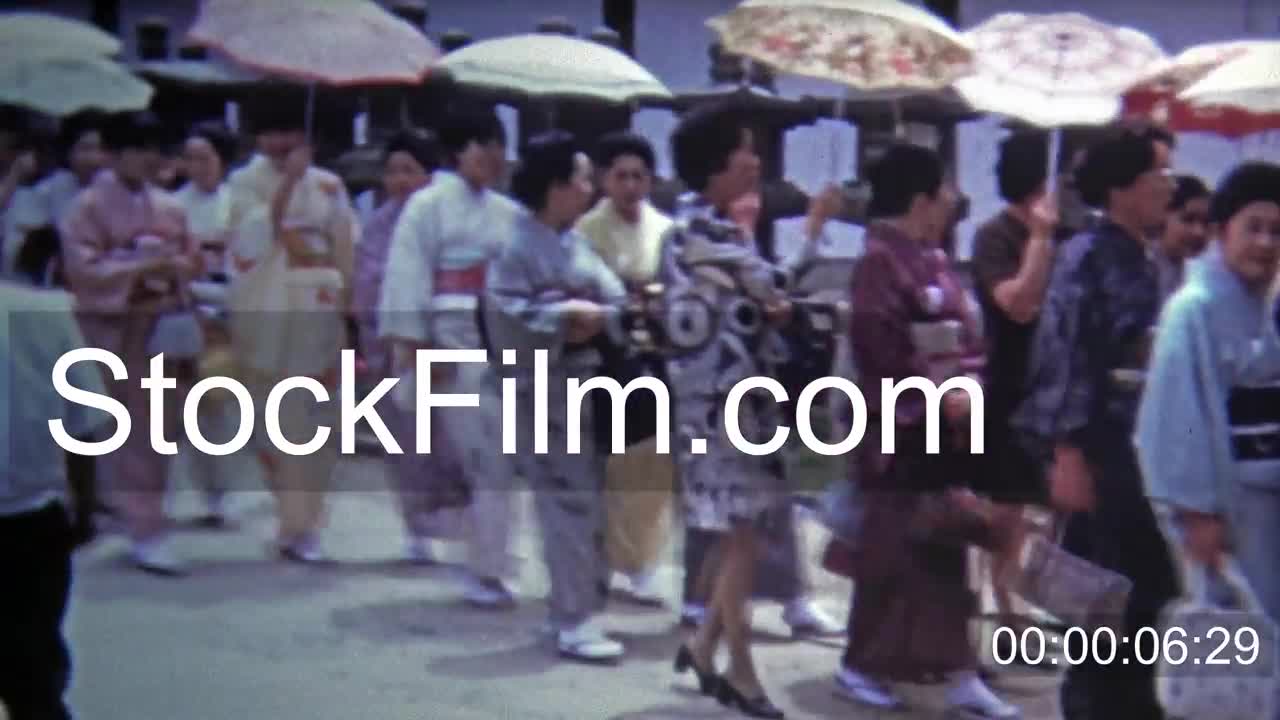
(1194, 689)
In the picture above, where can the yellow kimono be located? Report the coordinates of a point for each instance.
(638, 484)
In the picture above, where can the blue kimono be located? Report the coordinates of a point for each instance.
(1208, 433)
(526, 288)
(1090, 343)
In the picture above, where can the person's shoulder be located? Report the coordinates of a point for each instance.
(327, 182)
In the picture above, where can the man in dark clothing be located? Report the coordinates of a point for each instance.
(1091, 339)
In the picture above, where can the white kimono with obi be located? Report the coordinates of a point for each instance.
(1208, 432)
(289, 320)
(444, 240)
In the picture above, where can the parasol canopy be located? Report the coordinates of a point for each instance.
(35, 36)
(1055, 69)
(1155, 96)
(865, 44)
(330, 42)
(548, 65)
(1250, 82)
(63, 86)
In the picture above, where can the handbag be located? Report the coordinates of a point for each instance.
(1192, 689)
(1066, 586)
(178, 334)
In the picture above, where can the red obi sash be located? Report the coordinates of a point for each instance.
(464, 281)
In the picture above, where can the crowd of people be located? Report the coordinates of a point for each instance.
(1170, 283)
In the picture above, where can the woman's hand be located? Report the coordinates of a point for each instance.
(585, 320)
(1071, 481)
(1204, 537)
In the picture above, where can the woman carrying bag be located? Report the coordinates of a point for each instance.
(1206, 433)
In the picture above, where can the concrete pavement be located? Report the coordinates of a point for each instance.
(246, 637)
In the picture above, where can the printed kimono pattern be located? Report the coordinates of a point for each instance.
(711, 269)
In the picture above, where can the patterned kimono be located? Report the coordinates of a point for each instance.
(719, 282)
(1216, 368)
(106, 235)
(287, 320)
(1091, 340)
(538, 271)
(712, 262)
(910, 318)
(434, 277)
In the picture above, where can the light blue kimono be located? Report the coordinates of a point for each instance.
(1208, 430)
(526, 290)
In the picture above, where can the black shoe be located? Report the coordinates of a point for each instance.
(707, 681)
(759, 707)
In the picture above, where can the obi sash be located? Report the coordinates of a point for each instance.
(1254, 415)
(455, 305)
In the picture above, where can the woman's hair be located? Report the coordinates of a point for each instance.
(621, 144)
(1023, 166)
(277, 115)
(1246, 184)
(703, 141)
(222, 140)
(1187, 188)
(467, 125)
(902, 173)
(1117, 161)
(419, 144)
(40, 247)
(547, 160)
(137, 130)
(74, 128)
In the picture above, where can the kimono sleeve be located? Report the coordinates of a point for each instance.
(344, 228)
(1181, 433)
(91, 268)
(407, 283)
(880, 328)
(518, 317)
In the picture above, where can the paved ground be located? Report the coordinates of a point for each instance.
(245, 637)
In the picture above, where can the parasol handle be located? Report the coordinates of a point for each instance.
(899, 131)
(835, 136)
(1055, 147)
(311, 110)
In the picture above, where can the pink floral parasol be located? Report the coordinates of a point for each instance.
(865, 44)
(330, 42)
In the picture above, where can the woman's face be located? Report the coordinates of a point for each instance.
(203, 165)
(403, 175)
(1186, 231)
(1251, 243)
(741, 174)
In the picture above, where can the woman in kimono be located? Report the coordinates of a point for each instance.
(627, 231)
(411, 156)
(726, 300)
(549, 291)
(1185, 232)
(288, 311)
(129, 260)
(443, 242)
(911, 318)
(209, 151)
(1216, 368)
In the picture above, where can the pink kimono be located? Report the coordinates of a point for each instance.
(107, 235)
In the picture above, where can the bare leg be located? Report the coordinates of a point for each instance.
(727, 610)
